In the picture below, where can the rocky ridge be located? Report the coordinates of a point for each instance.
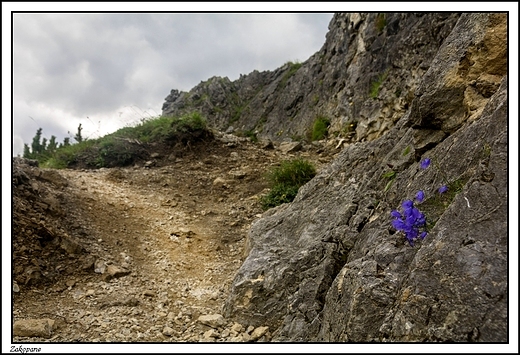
(330, 266)
(362, 80)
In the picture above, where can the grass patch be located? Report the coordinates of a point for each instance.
(380, 22)
(285, 180)
(320, 128)
(293, 68)
(376, 85)
(390, 176)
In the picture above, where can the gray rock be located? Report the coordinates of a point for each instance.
(363, 80)
(290, 147)
(330, 266)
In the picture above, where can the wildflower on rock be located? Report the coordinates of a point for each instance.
(425, 163)
(443, 189)
(411, 221)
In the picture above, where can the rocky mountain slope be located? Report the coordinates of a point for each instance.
(362, 80)
(331, 266)
(178, 249)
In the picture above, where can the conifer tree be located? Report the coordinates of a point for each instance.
(78, 136)
(36, 145)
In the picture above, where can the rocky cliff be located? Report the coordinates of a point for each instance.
(331, 266)
(362, 80)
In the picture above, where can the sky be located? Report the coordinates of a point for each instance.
(110, 70)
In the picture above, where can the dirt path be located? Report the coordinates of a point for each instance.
(164, 244)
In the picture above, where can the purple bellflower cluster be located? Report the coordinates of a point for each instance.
(410, 220)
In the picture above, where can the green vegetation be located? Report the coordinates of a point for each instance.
(390, 176)
(293, 68)
(285, 180)
(120, 148)
(376, 85)
(380, 22)
(406, 151)
(320, 128)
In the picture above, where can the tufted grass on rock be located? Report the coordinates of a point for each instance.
(285, 180)
(320, 128)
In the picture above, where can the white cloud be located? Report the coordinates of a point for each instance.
(70, 66)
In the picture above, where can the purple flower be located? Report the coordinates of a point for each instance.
(425, 163)
(407, 204)
(443, 189)
(420, 196)
(395, 214)
(411, 221)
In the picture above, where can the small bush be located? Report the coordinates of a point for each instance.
(320, 128)
(285, 180)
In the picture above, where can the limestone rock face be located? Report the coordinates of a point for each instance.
(331, 267)
(363, 80)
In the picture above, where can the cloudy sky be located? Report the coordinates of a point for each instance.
(108, 70)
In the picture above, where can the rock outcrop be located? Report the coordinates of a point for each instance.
(362, 80)
(330, 266)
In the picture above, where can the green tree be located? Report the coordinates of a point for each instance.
(51, 148)
(36, 145)
(44, 145)
(78, 136)
(66, 142)
(26, 151)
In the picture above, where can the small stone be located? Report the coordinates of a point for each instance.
(15, 287)
(212, 333)
(149, 293)
(212, 320)
(99, 266)
(290, 147)
(70, 283)
(259, 332)
(113, 271)
(225, 333)
(250, 329)
(168, 331)
(33, 328)
(237, 327)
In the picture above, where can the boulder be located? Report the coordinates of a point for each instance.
(41, 328)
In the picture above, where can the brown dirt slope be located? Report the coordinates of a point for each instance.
(140, 253)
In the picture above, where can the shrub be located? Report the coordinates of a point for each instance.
(285, 180)
(320, 128)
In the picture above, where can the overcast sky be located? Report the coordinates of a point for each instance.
(106, 70)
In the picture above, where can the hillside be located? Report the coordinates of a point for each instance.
(402, 235)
